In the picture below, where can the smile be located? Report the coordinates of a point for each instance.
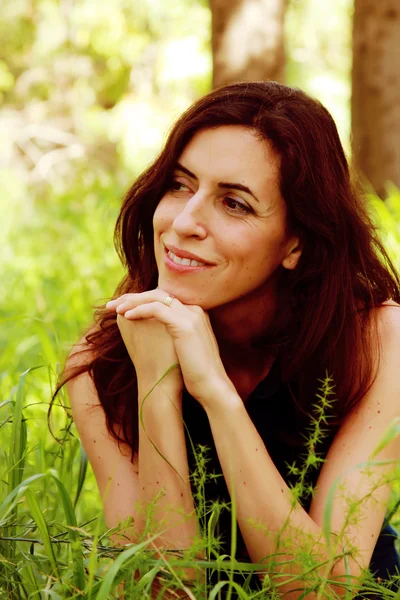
(184, 261)
(177, 264)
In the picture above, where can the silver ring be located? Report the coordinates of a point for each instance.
(168, 300)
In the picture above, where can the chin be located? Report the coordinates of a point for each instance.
(184, 296)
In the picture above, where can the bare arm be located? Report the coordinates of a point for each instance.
(261, 494)
(161, 468)
(286, 527)
(126, 490)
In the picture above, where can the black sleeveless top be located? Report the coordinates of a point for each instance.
(278, 421)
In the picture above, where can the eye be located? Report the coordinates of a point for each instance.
(236, 206)
(179, 186)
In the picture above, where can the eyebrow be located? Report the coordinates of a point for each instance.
(221, 184)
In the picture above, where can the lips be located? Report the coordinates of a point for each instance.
(184, 254)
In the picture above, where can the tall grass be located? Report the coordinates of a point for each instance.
(56, 266)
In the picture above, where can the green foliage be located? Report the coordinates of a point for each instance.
(48, 550)
(318, 44)
(88, 91)
(94, 84)
(386, 215)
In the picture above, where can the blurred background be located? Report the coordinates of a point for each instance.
(88, 91)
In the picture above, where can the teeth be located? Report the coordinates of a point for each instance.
(184, 261)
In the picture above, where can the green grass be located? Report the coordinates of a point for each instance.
(57, 264)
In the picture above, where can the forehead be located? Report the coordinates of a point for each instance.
(232, 153)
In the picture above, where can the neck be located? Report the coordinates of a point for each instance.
(239, 324)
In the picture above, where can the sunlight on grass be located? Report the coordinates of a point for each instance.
(48, 540)
(56, 266)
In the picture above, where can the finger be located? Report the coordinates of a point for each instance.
(131, 298)
(154, 310)
(112, 304)
(123, 303)
(130, 301)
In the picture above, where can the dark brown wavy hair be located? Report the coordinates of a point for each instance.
(343, 272)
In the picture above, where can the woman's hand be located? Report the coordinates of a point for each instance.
(150, 346)
(189, 329)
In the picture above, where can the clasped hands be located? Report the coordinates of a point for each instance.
(159, 334)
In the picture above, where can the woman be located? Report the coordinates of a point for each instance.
(253, 267)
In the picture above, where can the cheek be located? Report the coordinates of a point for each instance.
(259, 256)
(163, 215)
(158, 219)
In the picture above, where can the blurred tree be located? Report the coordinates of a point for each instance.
(376, 92)
(90, 88)
(247, 40)
(318, 40)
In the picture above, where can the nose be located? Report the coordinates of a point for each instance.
(192, 219)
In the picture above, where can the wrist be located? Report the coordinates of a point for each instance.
(169, 383)
(160, 397)
(161, 393)
(221, 395)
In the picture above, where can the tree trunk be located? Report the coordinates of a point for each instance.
(376, 92)
(247, 40)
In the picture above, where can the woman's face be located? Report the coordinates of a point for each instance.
(224, 207)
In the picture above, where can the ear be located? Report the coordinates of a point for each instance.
(294, 250)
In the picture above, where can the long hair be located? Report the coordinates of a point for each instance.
(343, 273)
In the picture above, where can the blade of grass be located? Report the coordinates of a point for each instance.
(93, 561)
(18, 437)
(83, 464)
(108, 581)
(389, 435)
(7, 503)
(42, 527)
(141, 419)
(15, 463)
(232, 584)
(147, 579)
(233, 538)
(76, 546)
(327, 517)
(27, 575)
(5, 402)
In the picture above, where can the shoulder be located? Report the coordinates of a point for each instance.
(87, 409)
(80, 387)
(88, 412)
(385, 340)
(367, 423)
(387, 318)
(384, 393)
